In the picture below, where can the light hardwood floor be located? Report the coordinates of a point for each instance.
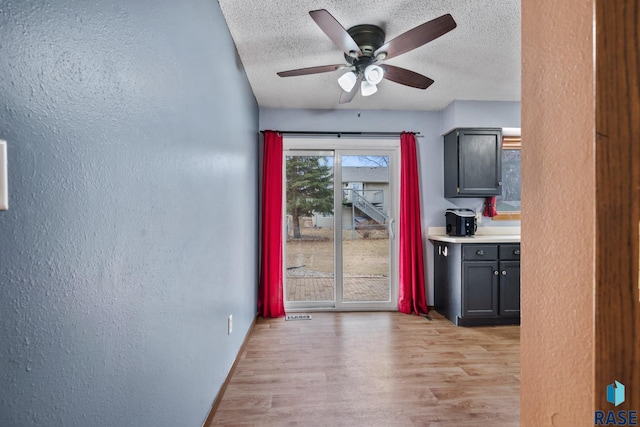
(374, 369)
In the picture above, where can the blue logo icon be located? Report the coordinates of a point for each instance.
(615, 396)
(615, 393)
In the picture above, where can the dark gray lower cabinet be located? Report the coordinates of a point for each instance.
(479, 289)
(477, 284)
(509, 288)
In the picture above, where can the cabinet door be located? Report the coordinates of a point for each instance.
(509, 288)
(440, 276)
(480, 289)
(480, 162)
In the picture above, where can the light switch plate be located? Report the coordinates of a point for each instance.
(4, 176)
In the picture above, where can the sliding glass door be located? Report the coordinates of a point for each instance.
(340, 209)
(309, 230)
(366, 222)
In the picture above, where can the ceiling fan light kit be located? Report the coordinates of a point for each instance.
(348, 81)
(373, 74)
(368, 89)
(364, 45)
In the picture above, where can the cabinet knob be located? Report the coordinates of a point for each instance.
(495, 273)
(499, 183)
(504, 273)
(480, 252)
(516, 252)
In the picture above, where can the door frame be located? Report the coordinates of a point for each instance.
(341, 146)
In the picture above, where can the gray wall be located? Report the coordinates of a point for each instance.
(431, 125)
(480, 114)
(125, 247)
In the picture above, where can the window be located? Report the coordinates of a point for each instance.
(508, 204)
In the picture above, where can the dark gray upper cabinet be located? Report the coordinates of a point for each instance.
(473, 162)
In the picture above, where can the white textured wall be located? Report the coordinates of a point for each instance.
(132, 228)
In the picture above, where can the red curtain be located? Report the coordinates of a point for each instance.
(490, 207)
(411, 291)
(270, 292)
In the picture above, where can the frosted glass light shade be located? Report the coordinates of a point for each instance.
(348, 81)
(373, 74)
(367, 88)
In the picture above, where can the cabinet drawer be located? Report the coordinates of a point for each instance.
(479, 252)
(510, 252)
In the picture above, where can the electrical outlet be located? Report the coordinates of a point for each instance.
(479, 218)
(230, 324)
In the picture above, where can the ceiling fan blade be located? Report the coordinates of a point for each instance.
(335, 31)
(406, 77)
(347, 97)
(311, 70)
(417, 36)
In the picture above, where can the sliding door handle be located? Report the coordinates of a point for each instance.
(392, 233)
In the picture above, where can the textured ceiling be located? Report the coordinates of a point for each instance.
(478, 60)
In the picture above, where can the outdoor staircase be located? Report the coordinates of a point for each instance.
(368, 208)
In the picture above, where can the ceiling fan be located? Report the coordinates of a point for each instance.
(364, 48)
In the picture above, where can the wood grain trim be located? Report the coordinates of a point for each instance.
(511, 142)
(504, 216)
(617, 311)
(216, 402)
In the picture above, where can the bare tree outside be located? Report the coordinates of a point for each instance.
(375, 161)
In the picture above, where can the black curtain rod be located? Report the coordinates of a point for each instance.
(339, 134)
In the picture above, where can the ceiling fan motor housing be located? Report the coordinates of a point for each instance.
(369, 38)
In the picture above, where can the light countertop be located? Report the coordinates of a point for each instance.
(483, 235)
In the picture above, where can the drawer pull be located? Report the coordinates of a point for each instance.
(516, 252)
(480, 252)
